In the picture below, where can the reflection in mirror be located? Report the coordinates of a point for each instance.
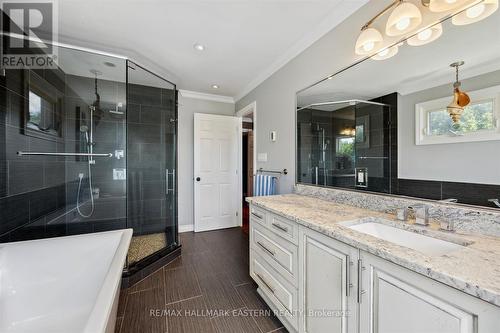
(341, 140)
(410, 143)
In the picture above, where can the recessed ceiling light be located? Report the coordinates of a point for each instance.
(214, 86)
(199, 47)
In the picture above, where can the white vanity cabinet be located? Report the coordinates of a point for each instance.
(327, 284)
(274, 263)
(321, 285)
(394, 299)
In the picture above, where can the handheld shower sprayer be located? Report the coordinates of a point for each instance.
(85, 129)
(89, 139)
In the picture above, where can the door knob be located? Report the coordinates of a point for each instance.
(198, 179)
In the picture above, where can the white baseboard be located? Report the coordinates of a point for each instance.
(186, 227)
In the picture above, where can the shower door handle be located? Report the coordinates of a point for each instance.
(167, 181)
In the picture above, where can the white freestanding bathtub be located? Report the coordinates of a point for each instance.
(65, 284)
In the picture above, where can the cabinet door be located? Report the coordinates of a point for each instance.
(396, 300)
(327, 284)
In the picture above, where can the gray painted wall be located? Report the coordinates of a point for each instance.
(471, 162)
(187, 108)
(275, 96)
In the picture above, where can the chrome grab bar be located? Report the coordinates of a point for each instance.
(26, 153)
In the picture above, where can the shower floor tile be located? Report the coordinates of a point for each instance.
(143, 246)
(210, 277)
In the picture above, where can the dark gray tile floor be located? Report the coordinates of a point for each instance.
(207, 289)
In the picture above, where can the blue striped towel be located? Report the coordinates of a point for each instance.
(264, 185)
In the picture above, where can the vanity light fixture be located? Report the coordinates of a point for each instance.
(348, 131)
(214, 86)
(387, 53)
(476, 13)
(438, 6)
(403, 19)
(460, 98)
(369, 40)
(426, 36)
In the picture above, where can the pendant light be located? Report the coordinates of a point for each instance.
(460, 99)
(426, 36)
(387, 53)
(369, 40)
(438, 6)
(475, 13)
(404, 18)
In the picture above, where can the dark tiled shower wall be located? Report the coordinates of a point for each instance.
(150, 139)
(29, 187)
(38, 190)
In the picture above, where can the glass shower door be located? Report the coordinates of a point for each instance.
(151, 164)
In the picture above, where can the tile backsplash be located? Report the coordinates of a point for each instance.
(465, 218)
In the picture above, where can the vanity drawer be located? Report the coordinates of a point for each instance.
(279, 253)
(285, 228)
(280, 292)
(258, 215)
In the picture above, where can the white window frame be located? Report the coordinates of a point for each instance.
(423, 109)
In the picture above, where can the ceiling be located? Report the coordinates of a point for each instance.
(417, 68)
(245, 40)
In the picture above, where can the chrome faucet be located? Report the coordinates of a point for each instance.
(421, 212)
(496, 202)
(449, 200)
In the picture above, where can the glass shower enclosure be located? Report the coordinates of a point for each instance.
(89, 146)
(345, 144)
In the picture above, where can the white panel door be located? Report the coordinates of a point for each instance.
(216, 154)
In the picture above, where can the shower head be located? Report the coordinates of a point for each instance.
(85, 129)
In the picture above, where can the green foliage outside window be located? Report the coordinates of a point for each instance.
(476, 117)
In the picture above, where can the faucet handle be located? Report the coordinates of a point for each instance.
(421, 213)
(402, 213)
(446, 225)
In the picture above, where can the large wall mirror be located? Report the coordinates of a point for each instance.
(419, 118)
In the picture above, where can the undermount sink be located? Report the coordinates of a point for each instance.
(425, 244)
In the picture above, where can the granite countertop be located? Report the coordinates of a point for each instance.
(473, 269)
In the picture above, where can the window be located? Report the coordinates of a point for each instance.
(345, 146)
(43, 116)
(35, 109)
(479, 121)
(476, 117)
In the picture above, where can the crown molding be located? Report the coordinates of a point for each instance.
(344, 9)
(206, 97)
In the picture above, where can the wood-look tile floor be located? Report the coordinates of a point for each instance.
(206, 289)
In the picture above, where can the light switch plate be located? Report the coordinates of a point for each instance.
(262, 157)
(119, 174)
